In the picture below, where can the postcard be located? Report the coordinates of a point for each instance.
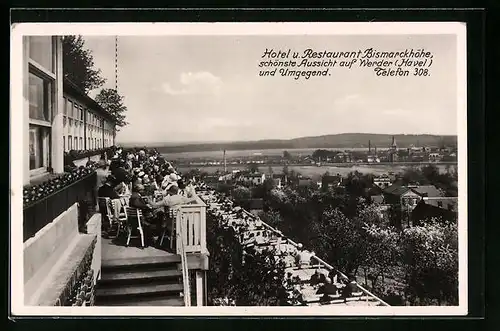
(246, 169)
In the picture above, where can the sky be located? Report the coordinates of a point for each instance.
(207, 88)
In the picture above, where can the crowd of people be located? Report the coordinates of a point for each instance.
(308, 281)
(142, 179)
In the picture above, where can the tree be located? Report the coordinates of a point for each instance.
(78, 64)
(338, 239)
(287, 155)
(383, 252)
(272, 217)
(112, 102)
(241, 193)
(430, 253)
(238, 276)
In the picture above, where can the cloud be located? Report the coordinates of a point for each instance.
(195, 83)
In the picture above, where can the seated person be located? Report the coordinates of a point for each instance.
(173, 199)
(352, 284)
(335, 276)
(303, 258)
(317, 278)
(139, 202)
(328, 288)
(122, 189)
(350, 288)
(107, 190)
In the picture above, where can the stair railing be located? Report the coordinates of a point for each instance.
(184, 265)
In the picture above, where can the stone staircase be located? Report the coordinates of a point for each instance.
(144, 281)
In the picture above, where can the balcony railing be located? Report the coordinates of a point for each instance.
(191, 225)
(45, 210)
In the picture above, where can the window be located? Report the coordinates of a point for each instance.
(41, 50)
(40, 82)
(39, 98)
(76, 143)
(82, 113)
(81, 143)
(88, 144)
(64, 143)
(38, 146)
(65, 108)
(70, 143)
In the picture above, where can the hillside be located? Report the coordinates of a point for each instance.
(344, 140)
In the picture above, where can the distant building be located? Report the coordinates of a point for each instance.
(330, 181)
(443, 208)
(435, 157)
(409, 196)
(305, 182)
(342, 157)
(253, 178)
(393, 151)
(383, 181)
(279, 180)
(372, 159)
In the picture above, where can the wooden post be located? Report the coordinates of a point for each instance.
(200, 297)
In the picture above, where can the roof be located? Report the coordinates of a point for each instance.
(71, 88)
(448, 203)
(256, 175)
(427, 190)
(332, 179)
(396, 190)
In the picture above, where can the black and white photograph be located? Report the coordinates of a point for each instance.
(238, 168)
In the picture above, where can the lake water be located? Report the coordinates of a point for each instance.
(253, 152)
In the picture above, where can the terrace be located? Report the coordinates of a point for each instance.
(164, 275)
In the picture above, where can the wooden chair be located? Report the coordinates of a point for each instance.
(106, 202)
(134, 218)
(172, 216)
(122, 219)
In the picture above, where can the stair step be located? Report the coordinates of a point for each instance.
(159, 302)
(140, 262)
(138, 290)
(140, 275)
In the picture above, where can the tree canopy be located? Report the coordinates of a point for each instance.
(112, 102)
(78, 64)
(238, 276)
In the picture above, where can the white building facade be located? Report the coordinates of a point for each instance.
(43, 96)
(56, 120)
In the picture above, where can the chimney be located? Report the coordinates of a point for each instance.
(225, 166)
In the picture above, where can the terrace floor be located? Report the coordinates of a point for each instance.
(114, 250)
